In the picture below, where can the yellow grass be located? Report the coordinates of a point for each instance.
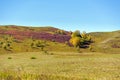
(60, 66)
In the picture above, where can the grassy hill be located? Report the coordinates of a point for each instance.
(106, 41)
(44, 33)
(56, 39)
(21, 38)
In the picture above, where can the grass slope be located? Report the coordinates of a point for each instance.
(108, 42)
(24, 35)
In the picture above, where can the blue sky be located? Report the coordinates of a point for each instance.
(83, 15)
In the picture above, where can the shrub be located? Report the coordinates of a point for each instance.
(5, 47)
(51, 53)
(33, 58)
(45, 52)
(9, 57)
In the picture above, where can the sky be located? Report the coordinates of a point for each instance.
(70, 15)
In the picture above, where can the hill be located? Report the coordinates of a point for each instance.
(20, 38)
(106, 41)
(56, 39)
(44, 33)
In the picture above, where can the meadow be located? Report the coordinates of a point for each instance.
(59, 66)
(45, 53)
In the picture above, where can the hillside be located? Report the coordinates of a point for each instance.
(106, 41)
(44, 33)
(20, 39)
(56, 39)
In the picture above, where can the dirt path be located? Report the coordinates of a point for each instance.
(109, 39)
(105, 41)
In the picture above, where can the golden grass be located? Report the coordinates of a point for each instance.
(64, 66)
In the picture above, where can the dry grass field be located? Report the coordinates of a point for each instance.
(59, 66)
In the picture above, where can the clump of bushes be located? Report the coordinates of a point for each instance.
(81, 40)
(7, 46)
(6, 42)
(38, 44)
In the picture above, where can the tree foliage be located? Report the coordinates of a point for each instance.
(75, 41)
(76, 34)
(79, 39)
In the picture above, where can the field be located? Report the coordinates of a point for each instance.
(44, 53)
(59, 66)
(60, 40)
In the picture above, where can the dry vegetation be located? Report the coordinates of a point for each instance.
(23, 57)
(64, 66)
